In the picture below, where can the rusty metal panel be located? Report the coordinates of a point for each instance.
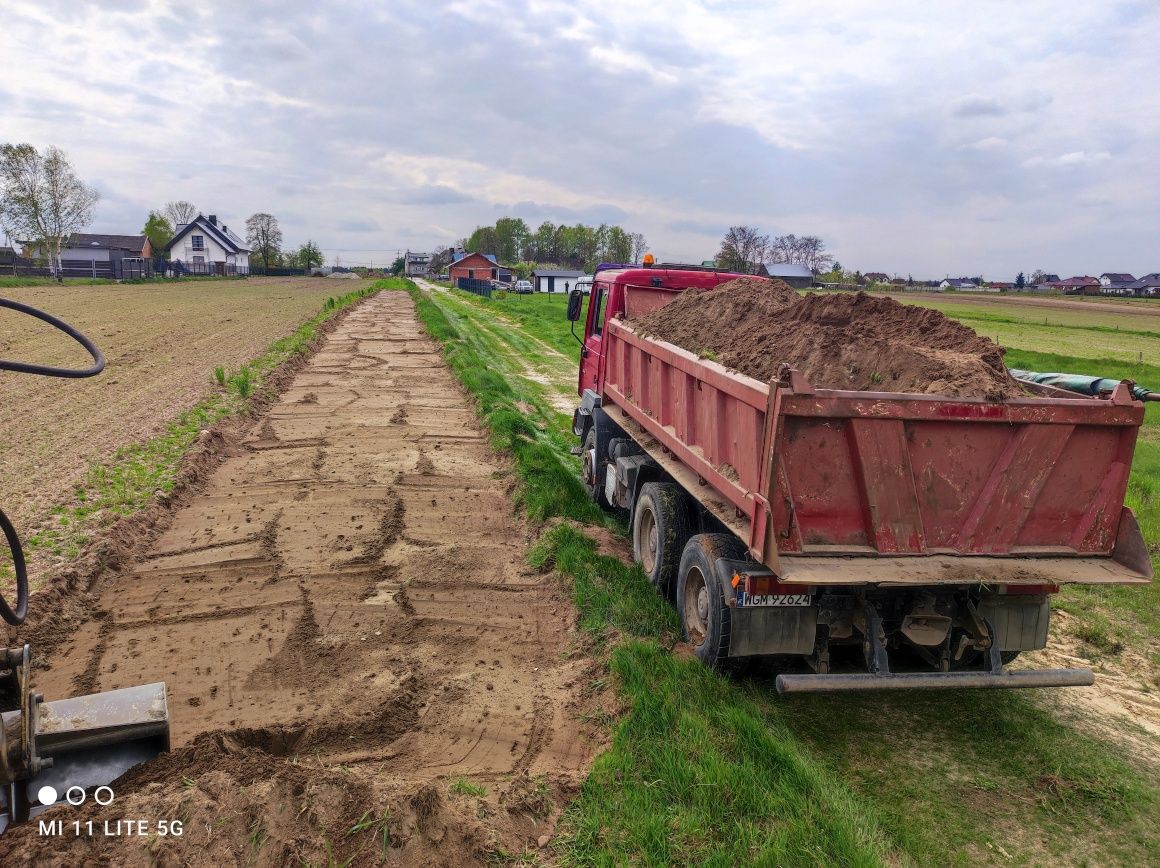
(1012, 489)
(881, 460)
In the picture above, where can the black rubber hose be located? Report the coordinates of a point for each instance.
(15, 618)
(45, 370)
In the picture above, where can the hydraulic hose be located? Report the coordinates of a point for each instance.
(16, 616)
(46, 370)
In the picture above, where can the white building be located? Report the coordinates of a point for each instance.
(207, 246)
(555, 280)
(416, 264)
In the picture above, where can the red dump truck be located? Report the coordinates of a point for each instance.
(923, 534)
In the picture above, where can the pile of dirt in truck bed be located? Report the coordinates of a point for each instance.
(857, 342)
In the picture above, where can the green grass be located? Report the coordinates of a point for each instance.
(139, 472)
(706, 769)
(462, 786)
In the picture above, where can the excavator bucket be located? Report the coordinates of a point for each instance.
(48, 749)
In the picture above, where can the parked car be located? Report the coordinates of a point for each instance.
(522, 286)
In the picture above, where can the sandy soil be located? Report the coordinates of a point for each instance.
(346, 624)
(162, 343)
(838, 341)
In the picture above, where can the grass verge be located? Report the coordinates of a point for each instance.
(141, 471)
(705, 769)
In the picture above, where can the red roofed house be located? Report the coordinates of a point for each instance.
(474, 266)
(1082, 285)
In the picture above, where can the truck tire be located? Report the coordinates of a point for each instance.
(594, 468)
(705, 618)
(660, 529)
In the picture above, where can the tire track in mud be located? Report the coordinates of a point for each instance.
(349, 590)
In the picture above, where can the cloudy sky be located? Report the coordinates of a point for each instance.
(914, 137)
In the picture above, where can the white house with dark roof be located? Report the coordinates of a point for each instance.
(1116, 283)
(208, 246)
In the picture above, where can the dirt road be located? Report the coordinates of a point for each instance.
(346, 625)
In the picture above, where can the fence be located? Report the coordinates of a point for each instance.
(481, 288)
(128, 268)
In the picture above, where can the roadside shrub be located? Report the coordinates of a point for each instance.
(501, 294)
(243, 382)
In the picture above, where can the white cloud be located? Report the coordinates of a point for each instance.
(868, 123)
(1072, 158)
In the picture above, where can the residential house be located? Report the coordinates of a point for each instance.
(208, 246)
(1046, 284)
(112, 256)
(1001, 286)
(960, 283)
(416, 264)
(555, 280)
(1147, 286)
(474, 266)
(1116, 283)
(1079, 285)
(876, 277)
(797, 276)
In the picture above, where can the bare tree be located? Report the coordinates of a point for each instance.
(808, 250)
(440, 260)
(743, 249)
(42, 199)
(180, 212)
(639, 246)
(264, 236)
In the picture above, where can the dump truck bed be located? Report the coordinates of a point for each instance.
(839, 487)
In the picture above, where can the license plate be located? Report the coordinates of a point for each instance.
(779, 600)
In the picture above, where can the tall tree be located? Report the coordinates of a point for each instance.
(264, 236)
(309, 255)
(180, 212)
(482, 240)
(159, 232)
(639, 246)
(440, 260)
(1038, 276)
(743, 249)
(511, 236)
(398, 265)
(42, 199)
(807, 250)
(1020, 281)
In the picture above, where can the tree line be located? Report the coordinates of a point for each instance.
(744, 249)
(580, 246)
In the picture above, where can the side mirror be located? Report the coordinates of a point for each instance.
(575, 299)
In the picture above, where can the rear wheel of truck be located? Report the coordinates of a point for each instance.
(593, 471)
(701, 599)
(660, 529)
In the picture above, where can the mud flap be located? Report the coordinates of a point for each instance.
(764, 630)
